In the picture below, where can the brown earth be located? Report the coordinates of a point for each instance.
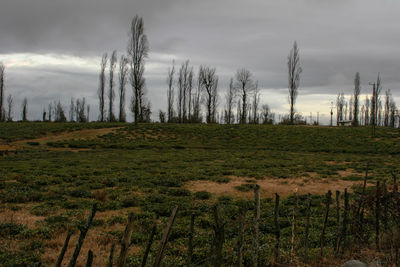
(80, 134)
(270, 186)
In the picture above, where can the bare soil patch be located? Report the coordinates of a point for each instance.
(270, 186)
(81, 134)
(22, 216)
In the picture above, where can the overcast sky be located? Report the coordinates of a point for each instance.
(52, 48)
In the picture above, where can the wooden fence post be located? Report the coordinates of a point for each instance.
(82, 236)
(125, 242)
(111, 257)
(345, 219)
(308, 213)
(64, 249)
(164, 238)
(277, 230)
(377, 214)
(337, 247)
(328, 202)
(256, 225)
(89, 260)
(149, 243)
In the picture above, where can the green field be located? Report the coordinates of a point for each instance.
(52, 173)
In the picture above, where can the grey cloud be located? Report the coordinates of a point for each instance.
(336, 39)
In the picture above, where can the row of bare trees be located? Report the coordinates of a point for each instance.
(131, 67)
(243, 92)
(6, 112)
(373, 112)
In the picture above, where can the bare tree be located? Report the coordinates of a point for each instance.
(161, 116)
(392, 113)
(244, 85)
(72, 110)
(122, 76)
(255, 104)
(59, 114)
(196, 117)
(267, 116)
(376, 91)
(386, 115)
(170, 92)
(185, 84)
(111, 94)
(24, 109)
(138, 48)
(357, 90)
(351, 108)
(88, 113)
(366, 110)
(379, 117)
(189, 93)
(229, 98)
(101, 91)
(80, 110)
(294, 71)
(340, 104)
(9, 107)
(209, 82)
(2, 110)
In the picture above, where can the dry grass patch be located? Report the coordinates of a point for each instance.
(22, 216)
(80, 134)
(270, 186)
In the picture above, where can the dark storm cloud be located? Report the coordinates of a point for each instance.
(336, 39)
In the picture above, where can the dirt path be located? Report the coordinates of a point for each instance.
(270, 186)
(79, 134)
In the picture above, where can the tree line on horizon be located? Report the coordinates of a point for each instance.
(188, 95)
(373, 111)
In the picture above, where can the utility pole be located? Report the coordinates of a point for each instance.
(373, 107)
(331, 112)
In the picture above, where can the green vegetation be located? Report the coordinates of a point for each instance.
(147, 168)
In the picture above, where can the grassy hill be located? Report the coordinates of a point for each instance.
(53, 172)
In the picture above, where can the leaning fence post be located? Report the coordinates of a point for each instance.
(82, 236)
(308, 213)
(377, 214)
(337, 247)
(125, 242)
(111, 257)
(64, 249)
(277, 229)
(328, 202)
(164, 238)
(256, 224)
(89, 260)
(149, 243)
